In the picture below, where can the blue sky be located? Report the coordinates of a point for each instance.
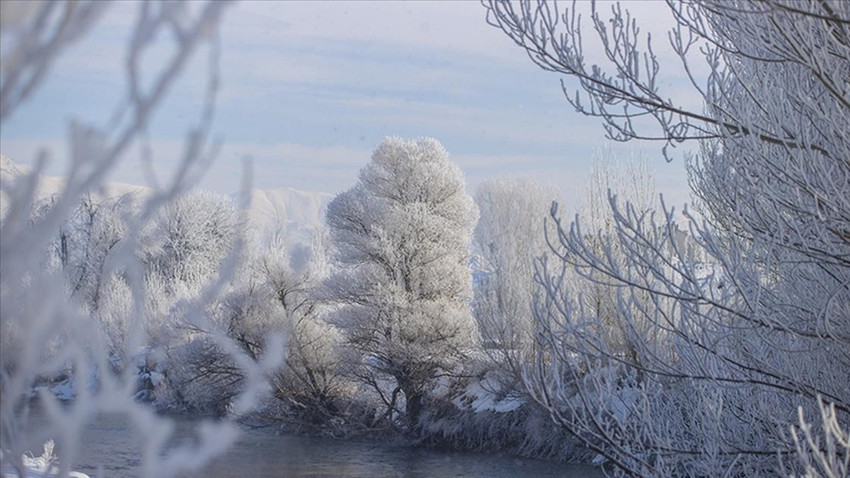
(310, 88)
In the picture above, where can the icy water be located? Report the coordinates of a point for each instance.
(259, 453)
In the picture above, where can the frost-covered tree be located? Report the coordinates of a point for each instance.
(182, 249)
(508, 238)
(85, 241)
(402, 238)
(42, 333)
(312, 384)
(190, 237)
(735, 343)
(629, 181)
(84, 248)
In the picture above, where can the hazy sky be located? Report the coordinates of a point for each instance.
(310, 88)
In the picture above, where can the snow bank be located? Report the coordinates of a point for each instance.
(480, 396)
(38, 467)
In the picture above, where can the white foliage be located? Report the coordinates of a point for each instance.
(829, 458)
(402, 237)
(508, 238)
(44, 334)
(722, 361)
(190, 237)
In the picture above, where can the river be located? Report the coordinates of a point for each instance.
(108, 445)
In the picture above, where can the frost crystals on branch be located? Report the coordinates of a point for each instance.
(735, 324)
(53, 318)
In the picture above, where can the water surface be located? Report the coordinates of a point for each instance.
(109, 445)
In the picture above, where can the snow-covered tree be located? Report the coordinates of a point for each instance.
(629, 181)
(402, 237)
(190, 237)
(182, 249)
(312, 384)
(738, 342)
(85, 242)
(508, 238)
(43, 333)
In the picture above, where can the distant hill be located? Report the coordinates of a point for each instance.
(51, 185)
(293, 213)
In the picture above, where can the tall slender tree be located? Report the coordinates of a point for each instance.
(508, 238)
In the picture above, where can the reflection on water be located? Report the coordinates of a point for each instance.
(109, 443)
(263, 455)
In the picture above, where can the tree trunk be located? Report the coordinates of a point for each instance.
(413, 409)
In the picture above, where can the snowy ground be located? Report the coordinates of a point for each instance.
(37, 467)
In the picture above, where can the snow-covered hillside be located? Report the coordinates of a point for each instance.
(51, 185)
(293, 213)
